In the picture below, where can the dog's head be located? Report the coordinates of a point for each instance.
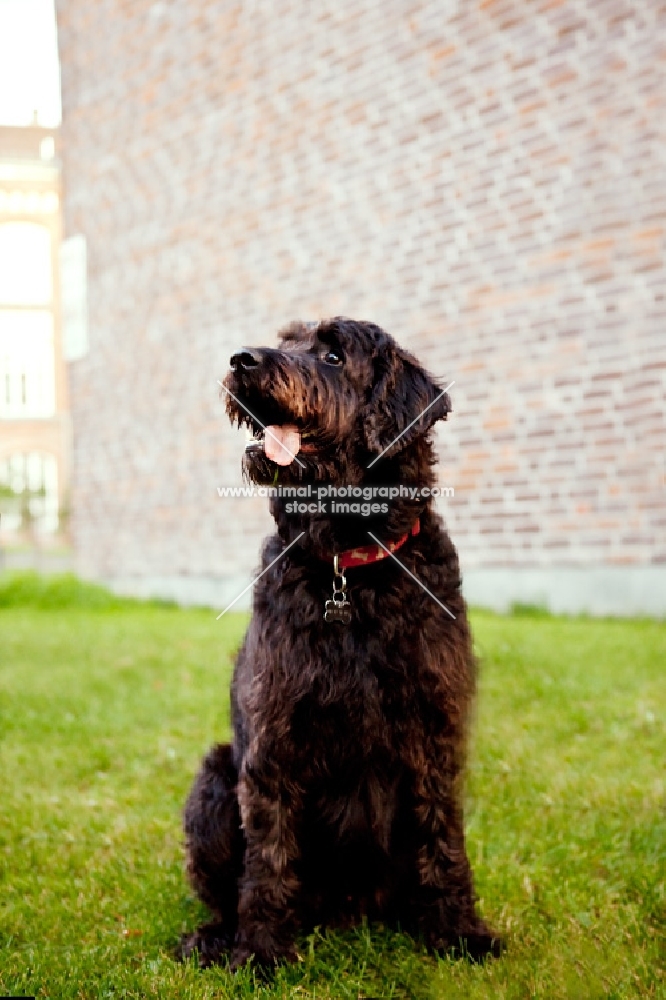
(336, 401)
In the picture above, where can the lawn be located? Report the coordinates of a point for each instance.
(106, 707)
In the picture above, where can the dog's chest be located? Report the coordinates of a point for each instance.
(337, 693)
(346, 715)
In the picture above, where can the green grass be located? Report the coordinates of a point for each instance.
(106, 707)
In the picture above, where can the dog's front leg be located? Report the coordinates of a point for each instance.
(267, 920)
(444, 910)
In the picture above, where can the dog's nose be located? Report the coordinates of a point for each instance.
(245, 358)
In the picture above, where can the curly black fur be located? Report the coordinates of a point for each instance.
(341, 796)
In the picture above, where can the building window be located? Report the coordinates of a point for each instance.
(28, 494)
(26, 270)
(47, 148)
(74, 296)
(31, 202)
(27, 364)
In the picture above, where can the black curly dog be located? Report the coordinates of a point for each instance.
(340, 797)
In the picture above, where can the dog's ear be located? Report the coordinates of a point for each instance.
(405, 402)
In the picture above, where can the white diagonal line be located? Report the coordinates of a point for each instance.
(259, 577)
(257, 421)
(397, 438)
(415, 578)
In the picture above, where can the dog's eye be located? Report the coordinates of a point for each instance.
(332, 357)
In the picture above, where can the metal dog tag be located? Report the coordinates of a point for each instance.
(337, 611)
(339, 608)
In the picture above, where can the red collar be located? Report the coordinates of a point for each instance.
(366, 554)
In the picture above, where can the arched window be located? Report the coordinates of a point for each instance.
(29, 493)
(26, 274)
(27, 364)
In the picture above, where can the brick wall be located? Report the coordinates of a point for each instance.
(484, 179)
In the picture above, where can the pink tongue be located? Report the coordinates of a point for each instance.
(282, 443)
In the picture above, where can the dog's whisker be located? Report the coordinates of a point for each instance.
(258, 421)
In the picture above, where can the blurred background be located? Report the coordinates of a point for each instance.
(485, 179)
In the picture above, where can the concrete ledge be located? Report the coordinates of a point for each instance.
(623, 591)
(189, 591)
(44, 561)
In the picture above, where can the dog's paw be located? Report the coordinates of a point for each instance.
(475, 943)
(478, 946)
(240, 956)
(210, 944)
(264, 955)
